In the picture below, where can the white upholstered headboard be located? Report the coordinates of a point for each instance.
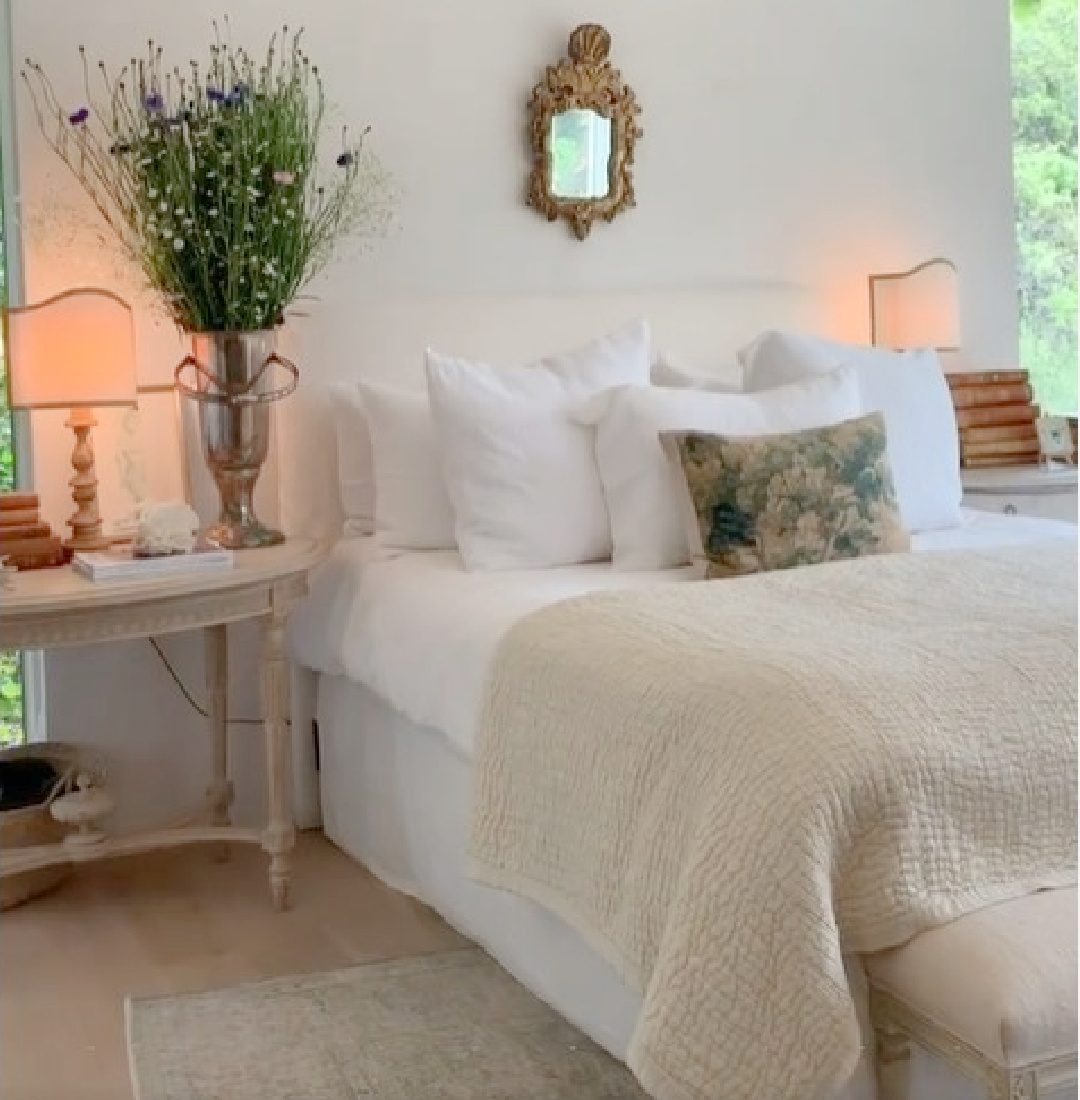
(385, 339)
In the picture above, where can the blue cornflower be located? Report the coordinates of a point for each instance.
(237, 95)
(153, 103)
(77, 118)
(215, 95)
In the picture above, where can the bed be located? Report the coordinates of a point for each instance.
(403, 643)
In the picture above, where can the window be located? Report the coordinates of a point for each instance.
(1044, 164)
(12, 680)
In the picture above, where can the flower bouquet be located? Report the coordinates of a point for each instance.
(210, 177)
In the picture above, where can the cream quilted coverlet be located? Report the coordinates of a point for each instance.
(725, 786)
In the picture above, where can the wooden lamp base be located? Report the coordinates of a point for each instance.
(85, 524)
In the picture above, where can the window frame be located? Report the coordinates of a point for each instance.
(35, 724)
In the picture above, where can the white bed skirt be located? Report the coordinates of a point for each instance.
(395, 797)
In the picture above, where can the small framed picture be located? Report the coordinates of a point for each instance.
(1055, 438)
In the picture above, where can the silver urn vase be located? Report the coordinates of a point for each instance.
(235, 377)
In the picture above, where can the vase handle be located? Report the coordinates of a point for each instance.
(241, 397)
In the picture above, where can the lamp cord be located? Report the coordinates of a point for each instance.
(189, 697)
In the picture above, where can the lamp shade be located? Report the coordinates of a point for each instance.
(74, 350)
(916, 308)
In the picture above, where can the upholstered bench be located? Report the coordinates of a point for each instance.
(994, 993)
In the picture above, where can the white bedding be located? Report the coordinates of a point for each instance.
(405, 641)
(396, 797)
(421, 632)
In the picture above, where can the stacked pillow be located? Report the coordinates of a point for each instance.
(910, 391)
(488, 461)
(764, 502)
(520, 471)
(642, 484)
(561, 461)
(410, 505)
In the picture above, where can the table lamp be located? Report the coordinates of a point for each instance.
(75, 351)
(916, 308)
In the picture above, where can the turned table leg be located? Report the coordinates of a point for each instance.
(220, 795)
(280, 832)
(893, 1062)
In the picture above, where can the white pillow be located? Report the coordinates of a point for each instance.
(909, 388)
(643, 487)
(356, 474)
(667, 372)
(521, 473)
(356, 464)
(412, 510)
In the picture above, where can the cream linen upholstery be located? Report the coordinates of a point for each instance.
(1002, 979)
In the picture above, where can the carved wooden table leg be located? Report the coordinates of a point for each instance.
(893, 1062)
(280, 832)
(219, 796)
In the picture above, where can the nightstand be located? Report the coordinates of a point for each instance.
(44, 608)
(1023, 490)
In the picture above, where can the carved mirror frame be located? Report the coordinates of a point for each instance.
(585, 80)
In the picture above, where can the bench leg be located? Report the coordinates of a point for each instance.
(893, 1062)
(1015, 1086)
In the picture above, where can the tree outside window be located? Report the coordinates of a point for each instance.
(1044, 162)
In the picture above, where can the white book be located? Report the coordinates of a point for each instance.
(121, 564)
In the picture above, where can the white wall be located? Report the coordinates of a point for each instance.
(785, 141)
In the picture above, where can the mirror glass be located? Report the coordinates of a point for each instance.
(580, 144)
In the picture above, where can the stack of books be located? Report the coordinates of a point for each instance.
(25, 541)
(996, 418)
(119, 563)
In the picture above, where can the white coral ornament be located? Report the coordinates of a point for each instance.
(165, 527)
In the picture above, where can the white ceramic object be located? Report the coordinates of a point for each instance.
(84, 809)
(165, 527)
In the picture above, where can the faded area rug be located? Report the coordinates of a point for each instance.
(451, 1026)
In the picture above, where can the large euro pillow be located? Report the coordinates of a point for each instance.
(355, 462)
(909, 389)
(411, 508)
(644, 489)
(521, 474)
(667, 371)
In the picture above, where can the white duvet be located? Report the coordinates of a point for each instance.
(421, 632)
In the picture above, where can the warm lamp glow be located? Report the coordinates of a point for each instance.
(71, 351)
(75, 351)
(916, 308)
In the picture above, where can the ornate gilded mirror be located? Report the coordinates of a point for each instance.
(583, 124)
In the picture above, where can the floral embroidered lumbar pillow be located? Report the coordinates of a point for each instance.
(772, 502)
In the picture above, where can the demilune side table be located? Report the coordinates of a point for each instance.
(47, 608)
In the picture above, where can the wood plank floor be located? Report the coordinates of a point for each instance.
(172, 922)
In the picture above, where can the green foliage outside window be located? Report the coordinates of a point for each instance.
(11, 699)
(11, 688)
(1044, 161)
